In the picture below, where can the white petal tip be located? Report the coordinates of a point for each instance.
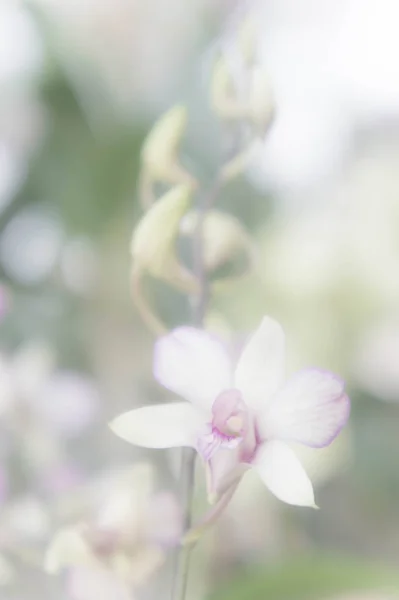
(114, 426)
(315, 507)
(120, 427)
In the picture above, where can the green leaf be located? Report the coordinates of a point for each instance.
(310, 578)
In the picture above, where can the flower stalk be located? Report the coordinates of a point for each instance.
(187, 472)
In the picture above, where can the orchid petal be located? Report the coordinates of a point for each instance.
(260, 369)
(193, 364)
(311, 409)
(283, 474)
(160, 426)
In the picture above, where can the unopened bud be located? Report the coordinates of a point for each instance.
(224, 238)
(160, 152)
(154, 239)
(224, 99)
(261, 101)
(247, 40)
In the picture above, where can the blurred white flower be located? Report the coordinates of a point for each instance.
(64, 403)
(21, 118)
(68, 402)
(30, 245)
(25, 519)
(23, 374)
(125, 531)
(21, 52)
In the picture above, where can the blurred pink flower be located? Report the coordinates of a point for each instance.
(61, 478)
(244, 419)
(68, 402)
(124, 534)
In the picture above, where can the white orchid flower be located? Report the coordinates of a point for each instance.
(242, 418)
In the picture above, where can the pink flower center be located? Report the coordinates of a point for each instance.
(230, 427)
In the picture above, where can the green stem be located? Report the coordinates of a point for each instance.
(182, 563)
(199, 304)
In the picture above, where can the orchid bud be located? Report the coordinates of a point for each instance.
(255, 106)
(247, 40)
(224, 238)
(224, 99)
(161, 148)
(261, 102)
(153, 242)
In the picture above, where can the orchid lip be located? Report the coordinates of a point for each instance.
(230, 425)
(213, 439)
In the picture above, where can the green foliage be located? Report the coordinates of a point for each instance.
(309, 578)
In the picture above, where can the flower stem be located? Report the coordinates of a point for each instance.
(199, 305)
(182, 561)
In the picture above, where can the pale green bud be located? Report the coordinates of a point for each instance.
(224, 238)
(258, 105)
(223, 95)
(153, 243)
(261, 100)
(247, 40)
(160, 152)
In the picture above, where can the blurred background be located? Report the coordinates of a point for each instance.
(82, 82)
